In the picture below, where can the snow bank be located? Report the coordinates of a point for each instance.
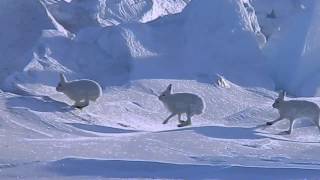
(43, 138)
(22, 23)
(251, 43)
(291, 28)
(307, 77)
(134, 49)
(75, 14)
(198, 44)
(221, 38)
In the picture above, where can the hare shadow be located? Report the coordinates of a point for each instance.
(140, 169)
(100, 129)
(38, 103)
(224, 132)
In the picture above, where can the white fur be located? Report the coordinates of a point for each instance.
(179, 103)
(295, 109)
(81, 91)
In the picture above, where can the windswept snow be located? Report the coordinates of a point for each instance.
(124, 130)
(75, 14)
(291, 27)
(232, 53)
(184, 46)
(22, 23)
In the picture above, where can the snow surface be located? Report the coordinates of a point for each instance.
(233, 53)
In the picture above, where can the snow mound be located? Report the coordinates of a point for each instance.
(134, 106)
(291, 28)
(134, 49)
(75, 15)
(249, 42)
(124, 129)
(182, 46)
(22, 24)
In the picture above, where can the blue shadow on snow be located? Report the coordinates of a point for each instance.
(146, 169)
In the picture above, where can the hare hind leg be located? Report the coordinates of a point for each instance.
(187, 122)
(80, 105)
(179, 118)
(316, 122)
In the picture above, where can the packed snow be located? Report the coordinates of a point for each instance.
(236, 55)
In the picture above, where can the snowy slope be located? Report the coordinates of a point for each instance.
(122, 137)
(75, 14)
(291, 27)
(243, 41)
(22, 23)
(183, 45)
(134, 49)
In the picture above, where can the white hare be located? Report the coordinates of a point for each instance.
(295, 109)
(81, 91)
(179, 103)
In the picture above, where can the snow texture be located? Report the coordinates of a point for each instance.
(235, 54)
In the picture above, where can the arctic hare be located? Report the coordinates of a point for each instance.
(179, 103)
(295, 109)
(81, 91)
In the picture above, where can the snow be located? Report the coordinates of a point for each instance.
(291, 44)
(26, 27)
(234, 54)
(122, 136)
(75, 15)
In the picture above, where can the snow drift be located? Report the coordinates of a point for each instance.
(231, 53)
(251, 43)
(184, 46)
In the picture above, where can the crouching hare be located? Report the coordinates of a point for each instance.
(295, 109)
(81, 91)
(179, 103)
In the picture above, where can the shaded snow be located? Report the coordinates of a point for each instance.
(183, 45)
(233, 54)
(22, 23)
(75, 15)
(124, 130)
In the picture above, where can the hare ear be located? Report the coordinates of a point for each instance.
(62, 78)
(282, 94)
(169, 88)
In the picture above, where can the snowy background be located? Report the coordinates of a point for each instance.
(134, 49)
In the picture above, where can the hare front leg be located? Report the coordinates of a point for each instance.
(291, 127)
(171, 115)
(272, 122)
